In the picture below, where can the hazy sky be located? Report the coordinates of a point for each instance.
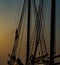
(8, 11)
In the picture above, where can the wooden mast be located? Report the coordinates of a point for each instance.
(28, 30)
(52, 38)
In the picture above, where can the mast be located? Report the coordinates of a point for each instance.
(52, 39)
(28, 30)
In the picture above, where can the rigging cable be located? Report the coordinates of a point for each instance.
(13, 29)
(42, 16)
(45, 48)
(34, 28)
(18, 2)
(21, 39)
(18, 14)
(44, 28)
(35, 10)
(44, 19)
(38, 28)
(35, 14)
(19, 30)
(41, 46)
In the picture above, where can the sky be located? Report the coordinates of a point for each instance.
(8, 23)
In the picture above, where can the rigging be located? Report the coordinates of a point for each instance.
(38, 39)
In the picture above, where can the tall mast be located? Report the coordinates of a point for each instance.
(28, 30)
(52, 40)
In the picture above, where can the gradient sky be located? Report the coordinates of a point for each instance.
(8, 13)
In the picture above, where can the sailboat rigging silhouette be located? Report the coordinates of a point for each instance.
(39, 40)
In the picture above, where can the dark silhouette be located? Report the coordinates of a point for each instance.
(19, 62)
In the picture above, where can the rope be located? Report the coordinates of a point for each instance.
(32, 38)
(18, 14)
(13, 29)
(24, 10)
(21, 18)
(19, 30)
(45, 48)
(44, 44)
(18, 2)
(21, 39)
(32, 41)
(42, 34)
(45, 9)
(35, 10)
(38, 25)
